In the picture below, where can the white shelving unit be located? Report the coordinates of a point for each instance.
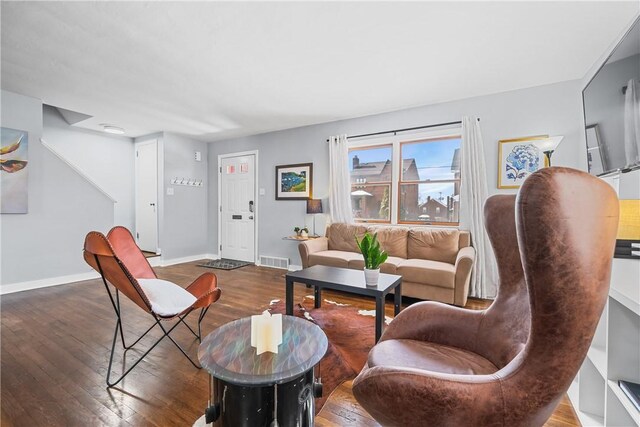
(614, 355)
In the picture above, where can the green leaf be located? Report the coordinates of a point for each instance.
(372, 252)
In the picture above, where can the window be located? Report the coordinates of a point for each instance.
(371, 177)
(407, 181)
(430, 182)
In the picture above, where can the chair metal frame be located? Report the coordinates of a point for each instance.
(115, 302)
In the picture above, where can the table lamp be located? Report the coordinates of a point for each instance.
(549, 145)
(314, 206)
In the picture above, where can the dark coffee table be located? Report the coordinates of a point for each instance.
(352, 281)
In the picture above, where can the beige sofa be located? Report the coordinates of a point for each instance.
(435, 263)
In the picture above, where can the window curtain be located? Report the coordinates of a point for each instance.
(632, 124)
(339, 180)
(473, 193)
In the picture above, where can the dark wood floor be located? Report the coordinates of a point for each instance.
(55, 352)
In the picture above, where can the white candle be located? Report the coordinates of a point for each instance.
(266, 332)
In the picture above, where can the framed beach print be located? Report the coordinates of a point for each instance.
(13, 171)
(518, 158)
(294, 182)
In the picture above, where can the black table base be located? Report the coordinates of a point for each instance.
(255, 406)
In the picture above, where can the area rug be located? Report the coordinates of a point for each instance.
(350, 332)
(225, 264)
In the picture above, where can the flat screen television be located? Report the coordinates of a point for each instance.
(612, 109)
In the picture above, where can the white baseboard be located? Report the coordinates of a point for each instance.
(71, 278)
(45, 283)
(291, 267)
(167, 262)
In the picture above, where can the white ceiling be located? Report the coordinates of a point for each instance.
(217, 70)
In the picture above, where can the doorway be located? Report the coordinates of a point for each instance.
(238, 206)
(146, 193)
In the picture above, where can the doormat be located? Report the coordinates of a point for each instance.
(225, 264)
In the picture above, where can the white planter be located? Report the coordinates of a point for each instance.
(371, 276)
(304, 234)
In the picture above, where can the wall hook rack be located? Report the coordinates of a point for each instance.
(187, 182)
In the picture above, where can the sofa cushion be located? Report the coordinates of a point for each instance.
(428, 272)
(392, 239)
(390, 266)
(437, 244)
(342, 237)
(333, 258)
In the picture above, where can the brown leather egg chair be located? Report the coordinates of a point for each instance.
(508, 365)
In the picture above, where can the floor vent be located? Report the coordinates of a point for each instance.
(275, 262)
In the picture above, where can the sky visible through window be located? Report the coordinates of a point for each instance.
(433, 160)
(370, 155)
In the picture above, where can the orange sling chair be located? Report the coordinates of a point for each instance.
(120, 262)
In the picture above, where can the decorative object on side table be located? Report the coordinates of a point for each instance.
(518, 158)
(301, 232)
(314, 207)
(373, 256)
(294, 182)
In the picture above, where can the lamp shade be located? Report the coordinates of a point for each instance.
(550, 144)
(314, 206)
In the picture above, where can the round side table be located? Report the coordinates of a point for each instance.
(247, 389)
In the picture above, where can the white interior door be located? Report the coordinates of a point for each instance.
(147, 196)
(237, 221)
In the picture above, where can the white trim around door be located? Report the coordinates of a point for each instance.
(256, 200)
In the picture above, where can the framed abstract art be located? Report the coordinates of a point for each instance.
(518, 158)
(13, 171)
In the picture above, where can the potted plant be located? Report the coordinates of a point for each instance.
(298, 231)
(373, 256)
(304, 232)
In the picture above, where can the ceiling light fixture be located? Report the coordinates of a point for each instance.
(112, 129)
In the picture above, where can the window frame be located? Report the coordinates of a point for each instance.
(396, 142)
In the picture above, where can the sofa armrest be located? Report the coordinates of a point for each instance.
(311, 246)
(464, 266)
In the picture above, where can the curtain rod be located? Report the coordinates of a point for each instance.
(405, 129)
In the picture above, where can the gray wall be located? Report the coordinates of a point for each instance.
(604, 105)
(63, 207)
(107, 160)
(184, 224)
(551, 109)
